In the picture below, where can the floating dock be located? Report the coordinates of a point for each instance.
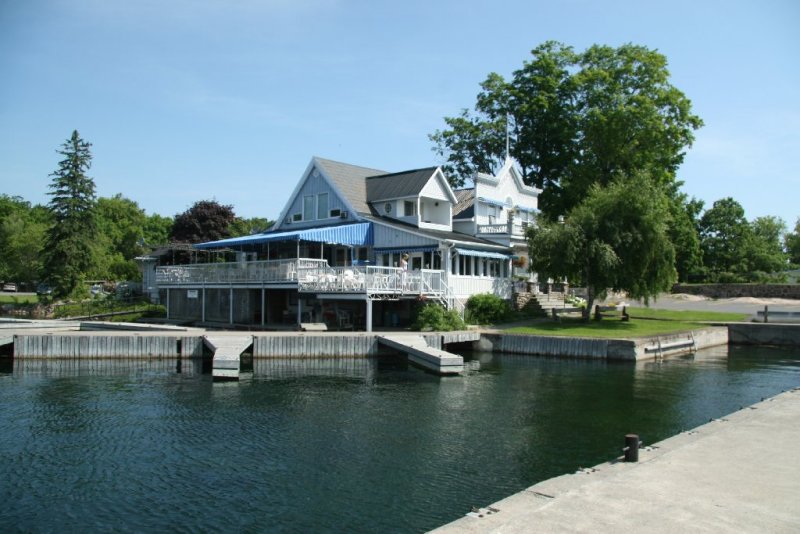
(422, 355)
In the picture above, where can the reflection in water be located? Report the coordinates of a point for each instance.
(285, 368)
(334, 444)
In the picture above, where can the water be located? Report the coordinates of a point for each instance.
(334, 445)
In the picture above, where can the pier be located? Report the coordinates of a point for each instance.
(227, 350)
(420, 354)
(739, 473)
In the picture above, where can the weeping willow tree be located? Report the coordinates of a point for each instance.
(617, 239)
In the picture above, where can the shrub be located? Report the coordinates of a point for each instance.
(433, 316)
(486, 308)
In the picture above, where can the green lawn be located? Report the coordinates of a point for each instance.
(644, 322)
(607, 328)
(10, 298)
(685, 315)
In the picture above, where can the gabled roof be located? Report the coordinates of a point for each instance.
(465, 207)
(349, 180)
(398, 185)
(510, 169)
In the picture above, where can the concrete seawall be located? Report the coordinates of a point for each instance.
(125, 344)
(29, 343)
(782, 335)
(605, 349)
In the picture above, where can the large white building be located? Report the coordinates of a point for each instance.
(334, 254)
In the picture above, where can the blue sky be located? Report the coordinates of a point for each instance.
(229, 99)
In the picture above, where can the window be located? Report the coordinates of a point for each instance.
(322, 206)
(297, 217)
(408, 208)
(308, 208)
(336, 213)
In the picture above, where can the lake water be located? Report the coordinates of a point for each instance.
(334, 445)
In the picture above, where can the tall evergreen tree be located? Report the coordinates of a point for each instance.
(71, 240)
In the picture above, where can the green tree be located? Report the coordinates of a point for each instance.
(725, 236)
(574, 119)
(157, 230)
(22, 231)
(792, 244)
(766, 252)
(630, 119)
(242, 226)
(70, 241)
(684, 234)
(121, 223)
(206, 220)
(617, 238)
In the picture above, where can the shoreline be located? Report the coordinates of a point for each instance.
(50, 339)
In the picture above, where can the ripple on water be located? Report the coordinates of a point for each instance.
(348, 447)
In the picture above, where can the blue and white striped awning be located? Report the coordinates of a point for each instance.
(360, 234)
(482, 254)
(494, 202)
(397, 250)
(529, 210)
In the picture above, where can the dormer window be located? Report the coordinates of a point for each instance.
(409, 208)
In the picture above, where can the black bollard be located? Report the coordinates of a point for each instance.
(631, 448)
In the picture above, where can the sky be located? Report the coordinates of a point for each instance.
(187, 100)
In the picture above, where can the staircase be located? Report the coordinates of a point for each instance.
(545, 302)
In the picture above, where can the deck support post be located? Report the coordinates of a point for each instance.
(299, 309)
(168, 304)
(368, 327)
(230, 305)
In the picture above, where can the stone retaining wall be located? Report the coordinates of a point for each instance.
(724, 291)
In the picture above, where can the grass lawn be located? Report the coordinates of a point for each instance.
(685, 315)
(644, 322)
(10, 298)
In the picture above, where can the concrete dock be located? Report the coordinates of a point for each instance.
(422, 355)
(227, 352)
(740, 473)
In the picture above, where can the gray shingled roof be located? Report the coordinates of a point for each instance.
(350, 181)
(465, 206)
(398, 185)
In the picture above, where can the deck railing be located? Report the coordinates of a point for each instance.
(311, 275)
(271, 271)
(321, 278)
(517, 229)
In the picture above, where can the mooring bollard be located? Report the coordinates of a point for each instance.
(631, 448)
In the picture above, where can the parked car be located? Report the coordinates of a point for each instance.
(10, 286)
(44, 289)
